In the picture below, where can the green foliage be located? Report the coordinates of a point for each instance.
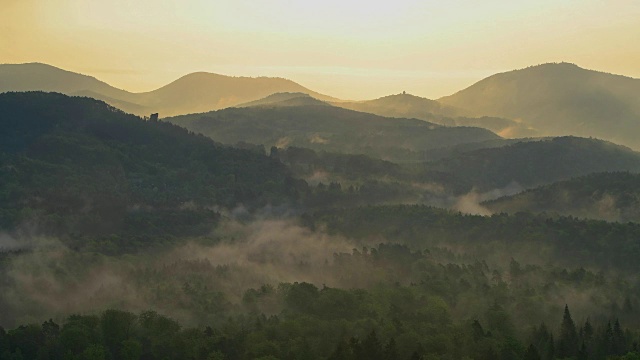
(329, 128)
(564, 241)
(79, 166)
(534, 163)
(607, 196)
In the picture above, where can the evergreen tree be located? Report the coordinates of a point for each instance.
(4, 341)
(531, 353)
(542, 340)
(583, 354)
(477, 330)
(568, 340)
(619, 343)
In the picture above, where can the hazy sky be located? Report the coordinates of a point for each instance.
(348, 49)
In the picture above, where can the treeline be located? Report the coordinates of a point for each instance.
(302, 333)
(78, 166)
(565, 241)
(608, 196)
(430, 307)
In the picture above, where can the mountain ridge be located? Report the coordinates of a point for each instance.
(192, 93)
(559, 99)
(411, 106)
(329, 128)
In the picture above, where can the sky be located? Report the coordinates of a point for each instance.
(343, 48)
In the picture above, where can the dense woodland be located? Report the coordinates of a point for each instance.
(608, 196)
(78, 167)
(125, 238)
(330, 128)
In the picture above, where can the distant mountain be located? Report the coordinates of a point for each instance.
(42, 77)
(78, 165)
(415, 107)
(285, 99)
(401, 105)
(606, 196)
(559, 99)
(200, 92)
(193, 93)
(329, 128)
(534, 163)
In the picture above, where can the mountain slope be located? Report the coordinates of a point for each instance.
(401, 105)
(77, 165)
(192, 93)
(559, 99)
(607, 196)
(200, 92)
(535, 163)
(43, 77)
(415, 107)
(329, 128)
(284, 99)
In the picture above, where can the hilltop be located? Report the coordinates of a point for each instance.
(558, 99)
(192, 93)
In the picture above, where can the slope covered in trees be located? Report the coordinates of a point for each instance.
(168, 245)
(537, 162)
(415, 107)
(329, 128)
(562, 241)
(77, 165)
(418, 308)
(607, 196)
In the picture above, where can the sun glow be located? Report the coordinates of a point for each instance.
(349, 49)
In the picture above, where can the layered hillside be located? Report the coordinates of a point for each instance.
(607, 196)
(535, 163)
(192, 93)
(559, 99)
(330, 128)
(78, 165)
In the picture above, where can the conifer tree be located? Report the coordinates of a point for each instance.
(568, 340)
(531, 353)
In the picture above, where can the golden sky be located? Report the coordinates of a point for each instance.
(344, 48)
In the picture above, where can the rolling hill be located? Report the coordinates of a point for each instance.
(43, 77)
(415, 107)
(606, 196)
(192, 93)
(284, 99)
(535, 163)
(78, 165)
(329, 128)
(401, 105)
(559, 99)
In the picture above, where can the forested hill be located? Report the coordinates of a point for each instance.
(410, 106)
(330, 128)
(79, 165)
(535, 163)
(564, 241)
(607, 196)
(559, 99)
